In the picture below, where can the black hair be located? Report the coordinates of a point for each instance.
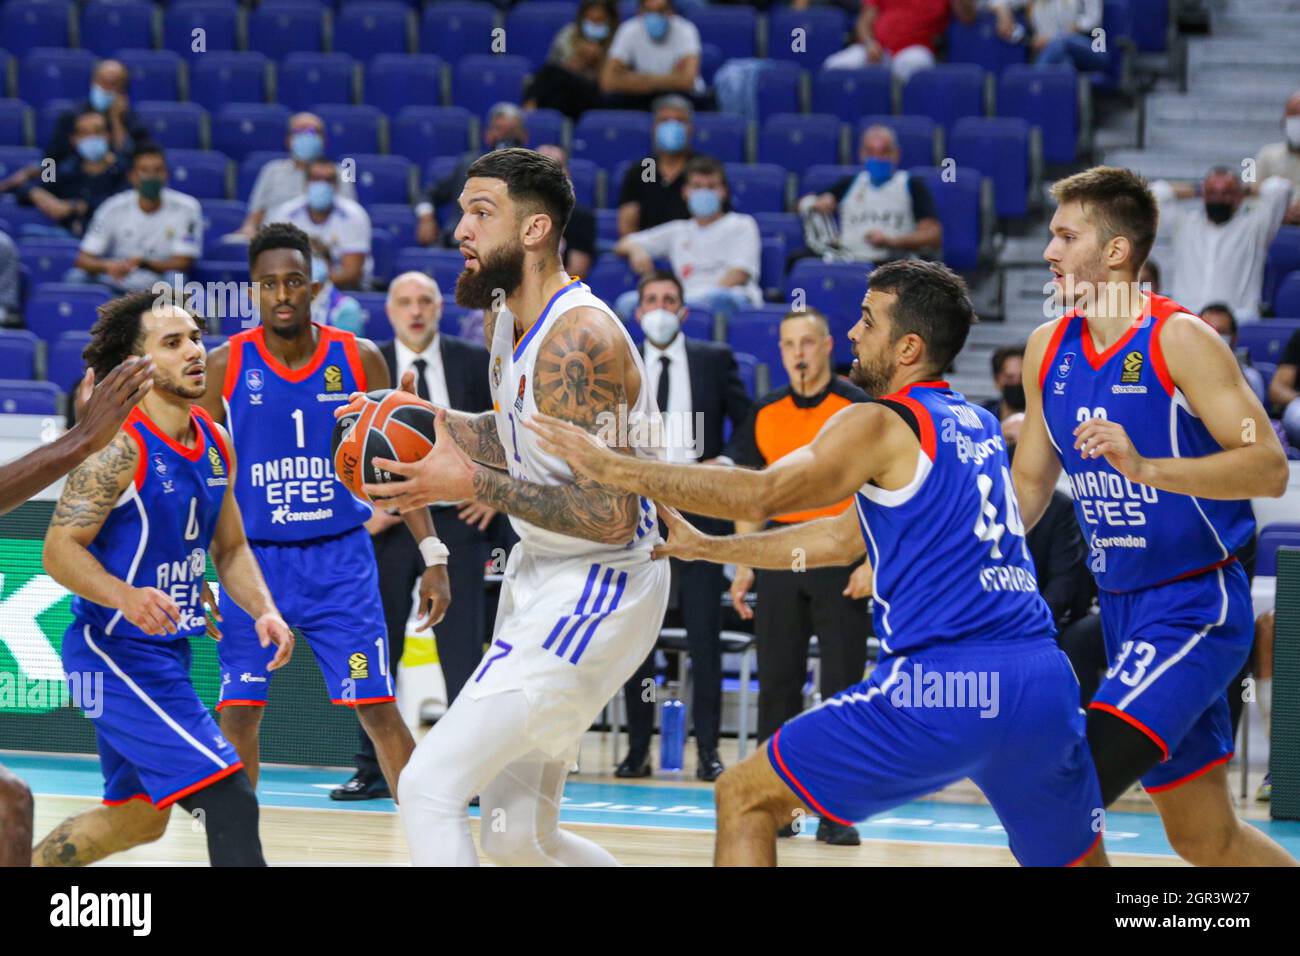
(1226, 310)
(931, 302)
(607, 5)
(1001, 355)
(658, 275)
(147, 149)
(536, 183)
(116, 334)
(279, 235)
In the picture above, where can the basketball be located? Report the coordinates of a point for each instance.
(383, 424)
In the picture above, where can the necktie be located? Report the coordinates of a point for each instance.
(421, 380)
(664, 362)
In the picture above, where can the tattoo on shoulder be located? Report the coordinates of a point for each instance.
(578, 373)
(95, 484)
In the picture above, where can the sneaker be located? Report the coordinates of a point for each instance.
(837, 834)
(1265, 792)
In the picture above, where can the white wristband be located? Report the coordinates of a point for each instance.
(434, 552)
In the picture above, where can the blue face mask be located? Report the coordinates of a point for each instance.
(92, 149)
(670, 136)
(703, 202)
(320, 195)
(595, 31)
(320, 270)
(306, 146)
(879, 170)
(656, 24)
(100, 98)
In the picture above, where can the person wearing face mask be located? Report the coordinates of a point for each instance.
(1219, 248)
(283, 180)
(330, 306)
(1220, 318)
(642, 204)
(339, 224)
(1007, 363)
(145, 235)
(653, 53)
(881, 213)
(569, 81)
(1283, 159)
(107, 97)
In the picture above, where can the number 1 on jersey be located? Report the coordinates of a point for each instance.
(296, 415)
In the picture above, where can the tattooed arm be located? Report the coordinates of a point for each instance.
(476, 434)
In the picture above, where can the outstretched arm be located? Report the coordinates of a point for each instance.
(813, 544)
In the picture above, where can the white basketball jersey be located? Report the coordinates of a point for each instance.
(512, 377)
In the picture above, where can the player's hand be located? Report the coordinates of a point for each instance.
(476, 514)
(213, 616)
(861, 582)
(102, 408)
(435, 596)
(271, 629)
(445, 474)
(1098, 437)
(585, 453)
(685, 541)
(741, 585)
(151, 610)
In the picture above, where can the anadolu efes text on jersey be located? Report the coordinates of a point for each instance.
(157, 534)
(1137, 536)
(281, 421)
(948, 550)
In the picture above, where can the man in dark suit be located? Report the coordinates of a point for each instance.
(698, 387)
(451, 373)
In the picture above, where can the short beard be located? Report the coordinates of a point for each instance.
(502, 271)
(873, 380)
(291, 331)
(190, 393)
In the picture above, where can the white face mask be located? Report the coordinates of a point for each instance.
(660, 325)
(1292, 126)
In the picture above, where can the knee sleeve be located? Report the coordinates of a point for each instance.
(228, 813)
(1121, 753)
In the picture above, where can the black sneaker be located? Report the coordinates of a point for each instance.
(837, 834)
(709, 766)
(786, 831)
(362, 787)
(634, 766)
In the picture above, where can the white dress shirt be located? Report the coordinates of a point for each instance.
(434, 374)
(678, 416)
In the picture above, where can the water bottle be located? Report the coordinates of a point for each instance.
(672, 732)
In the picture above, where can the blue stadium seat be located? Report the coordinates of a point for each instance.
(778, 89)
(1283, 259)
(281, 30)
(397, 80)
(772, 278)
(57, 307)
(849, 94)
(202, 174)
(49, 74)
(836, 289)
(821, 177)
(240, 128)
(155, 74)
(720, 135)
(1150, 25)
(710, 59)
(47, 118)
(998, 148)
(383, 252)
(756, 187)
(797, 141)
(107, 27)
(822, 34)
(916, 137)
(28, 398)
(1117, 24)
(481, 81)
(583, 173)
(350, 129)
(368, 30)
(249, 167)
(383, 179)
(611, 277)
(17, 354)
(6, 67)
(697, 324)
(47, 259)
(530, 28)
(757, 332)
(1286, 303)
(377, 328)
(309, 78)
(1048, 99)
(959, 206)
(228, 77)
(787, 225)
(733, 30)
(1279, 534)
(421, 132)
(607, 136)
(26, 25)
(173, 125)
(14, 158)
(64, 366)
(15, 120)
(606, 228)
(946, 93)
(747, 365)
(980, 44)
(395, 219)
(453, 30)
(545, 126)
(444, 265)
(218, 21)
(220, 216)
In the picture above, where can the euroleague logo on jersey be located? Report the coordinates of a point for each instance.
(1130, 376)
(253, 380)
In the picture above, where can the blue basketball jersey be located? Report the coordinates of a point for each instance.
(948, 550)
(281, 421)
(157, 534)
(1137, 536)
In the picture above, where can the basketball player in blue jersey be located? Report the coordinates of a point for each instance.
(130, 538)
(970, 682)
(276, 387)
(1164, 444)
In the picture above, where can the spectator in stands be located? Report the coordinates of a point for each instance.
(883, 212)
(339, 223)
(1007, 364)
(569, 81)
(10, 304)
(651, 192)
(1284, 390)
(1060, 31)
(652, 54)
(1221, 319)
(283, 180)
(1219, 249)
(1283, 159)
(505, 129)
(578, 245)
(142, 236)
(108, 98)
(716, 254)
(901, 34)
(80, 183)
(330, 306)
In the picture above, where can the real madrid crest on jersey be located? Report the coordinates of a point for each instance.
(496, 372)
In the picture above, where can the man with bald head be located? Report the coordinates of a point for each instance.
(450, 373)
(1283, 159)
(108, 97)
(883, 212)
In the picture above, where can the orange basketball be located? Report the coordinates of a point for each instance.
(382, 424)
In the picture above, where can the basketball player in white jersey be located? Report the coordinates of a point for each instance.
(582, 600)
